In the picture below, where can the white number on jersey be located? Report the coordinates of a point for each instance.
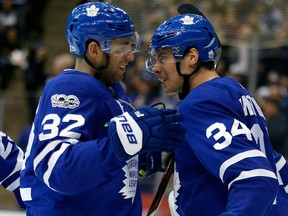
(52, 121)
(224, 138)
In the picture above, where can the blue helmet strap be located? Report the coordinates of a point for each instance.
(186, 77)
(98, 70)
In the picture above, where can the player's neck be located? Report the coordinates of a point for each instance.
(82, 66)
(202, 76)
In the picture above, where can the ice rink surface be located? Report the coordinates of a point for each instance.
(11, 213)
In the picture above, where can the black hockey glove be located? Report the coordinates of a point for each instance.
(150, 163)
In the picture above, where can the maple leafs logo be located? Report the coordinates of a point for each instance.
(211, 54)
(177, 186)
(131, 179)
(187, 20)
(92, 11)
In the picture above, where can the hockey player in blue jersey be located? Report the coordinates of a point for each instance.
(226, 165)
(75, 164)
(11, 160)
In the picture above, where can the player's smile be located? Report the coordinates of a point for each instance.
(162, 80)
(165, 84)
(122, 68)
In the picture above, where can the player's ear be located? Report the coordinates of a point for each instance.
(193, 56)
(93, 49)
(94, 52)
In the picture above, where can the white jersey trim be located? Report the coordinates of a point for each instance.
(44, 152)
(25, 194)
(18, 164)
(280, 164)
(52, 162)
(253, 173)
(14, 185)
(286, 189)
(237, 158)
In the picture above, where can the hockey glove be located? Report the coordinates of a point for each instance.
(158, 105)
(145, 130)
(150, 163)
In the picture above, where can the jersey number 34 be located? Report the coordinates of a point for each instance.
(223, 137)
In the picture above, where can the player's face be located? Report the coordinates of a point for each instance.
(121, 54)
(165, 68)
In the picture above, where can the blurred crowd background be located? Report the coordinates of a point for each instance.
(33, 49)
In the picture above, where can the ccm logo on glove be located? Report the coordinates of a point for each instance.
(129, 132)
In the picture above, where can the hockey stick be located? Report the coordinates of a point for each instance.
(189, 8)
(162, 187)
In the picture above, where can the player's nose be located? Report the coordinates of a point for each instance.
(130, 56)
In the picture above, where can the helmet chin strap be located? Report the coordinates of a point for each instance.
(186, 77)
(98, 70)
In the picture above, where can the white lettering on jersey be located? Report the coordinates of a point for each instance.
(223, 136)
(51, 122)
(250, 106)
(131, 174)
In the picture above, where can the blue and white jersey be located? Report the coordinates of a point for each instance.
(282, 170)
(70, 166)
(11, 160)
(226, 163)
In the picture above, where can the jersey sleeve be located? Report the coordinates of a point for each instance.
(282, 170)
(230, 151)
(11, 159)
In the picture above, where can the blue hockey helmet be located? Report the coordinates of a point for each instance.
(99, 21)
(180, 33)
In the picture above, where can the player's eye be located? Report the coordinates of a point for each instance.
(162, 59)
(123, 49)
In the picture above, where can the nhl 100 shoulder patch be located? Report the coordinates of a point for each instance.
(65, 101)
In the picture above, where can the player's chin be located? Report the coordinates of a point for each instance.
(120, 76)
(168, 91)
(166, 87)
